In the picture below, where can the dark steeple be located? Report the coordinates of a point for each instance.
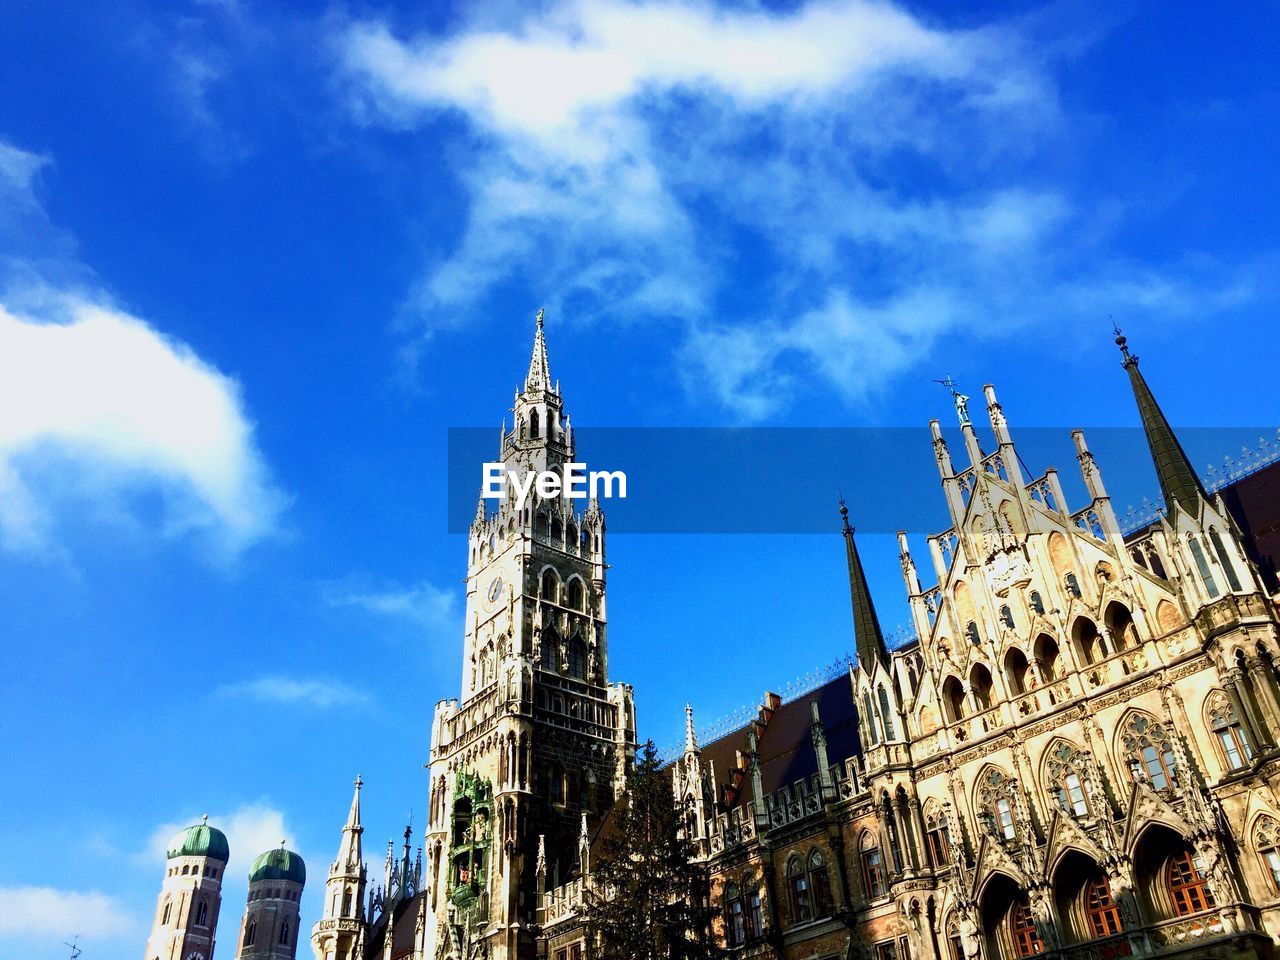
(1178, 481)
(866, 628)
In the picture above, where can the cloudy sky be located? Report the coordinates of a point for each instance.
(255, 262)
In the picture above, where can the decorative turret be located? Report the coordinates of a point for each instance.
(342, 927)
(866, 627)
(187, 909)
(1178, 480)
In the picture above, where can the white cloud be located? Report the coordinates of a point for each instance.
(97, 401)
(549, 73)
(321, 694)
(50, 912)
(872, 180)
(423, 604)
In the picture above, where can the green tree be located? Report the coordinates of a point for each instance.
(648, 899)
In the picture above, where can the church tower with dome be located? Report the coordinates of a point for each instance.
(269, 930)
(187, 909)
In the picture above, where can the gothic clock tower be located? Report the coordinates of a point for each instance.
(539, 739)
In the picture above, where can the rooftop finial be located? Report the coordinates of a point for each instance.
(205, 820)
(1123, 343)
(540, 318)
(961, 400)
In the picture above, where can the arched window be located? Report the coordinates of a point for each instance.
(995, 801)
(250, 933)
(1022, 931)
(1015, 670)
(1266, 837)
(555, 782)
(819, 884)
(284, 932)
(1089, 643)
(755, 915)
(953, 696)
(873, 878)
(869, 717)
(1100, 908)
(550, 649)
(575, 594)
(1206, 575)
(1229, 732)
(534, 429)
(798, 886)
(557, 531)
(886, 714)
(938, 838)
(980, 683)
(1149, 752)
(571, 538)
(202, 913)
(1187, 886)
(1223, 558)
(346, 904)
(1065, 771)
(1046, 653)
(577, 659)
(1119, 623)
(168, 911)
(735, 917)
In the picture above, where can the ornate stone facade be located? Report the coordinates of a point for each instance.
(1074, 757)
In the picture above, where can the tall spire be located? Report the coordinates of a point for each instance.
(866, 628)
(1178, 480)
(690, 735)
(350, 854)
(539, 377)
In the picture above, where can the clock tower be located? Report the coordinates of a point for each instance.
(539, 738)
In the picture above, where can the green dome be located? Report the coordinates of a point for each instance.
(201, 840)
(278, 864)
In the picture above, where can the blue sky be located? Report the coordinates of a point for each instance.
(255, 261)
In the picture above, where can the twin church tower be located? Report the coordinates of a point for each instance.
(524, 766)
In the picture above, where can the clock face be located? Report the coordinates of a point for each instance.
(495, 590)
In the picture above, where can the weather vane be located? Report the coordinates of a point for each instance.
(961, 400)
